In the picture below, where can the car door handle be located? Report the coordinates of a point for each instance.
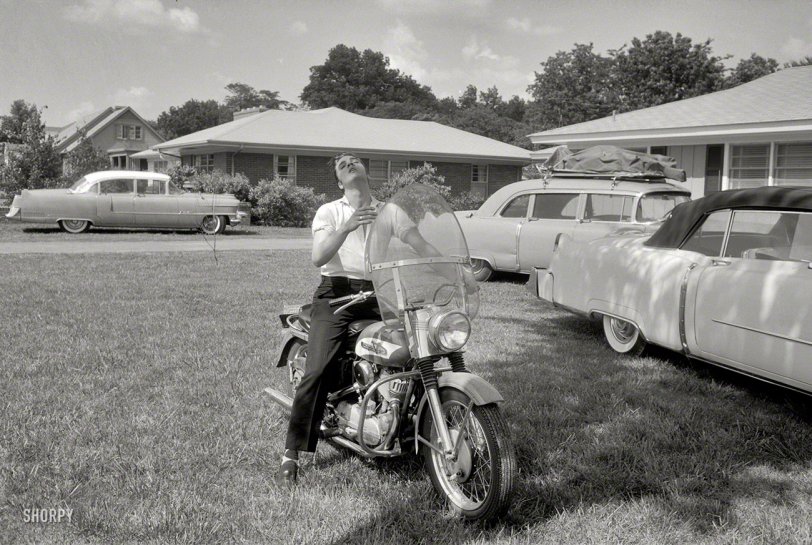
(720, 263)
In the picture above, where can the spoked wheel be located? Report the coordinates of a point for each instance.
(479, 483)
(296, 359)
(74, 226)
(624, 337)
(213, 225)
(481, 269)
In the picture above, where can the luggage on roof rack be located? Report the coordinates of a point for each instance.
(612, 162)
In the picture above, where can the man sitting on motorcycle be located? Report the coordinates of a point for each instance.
(340, 230)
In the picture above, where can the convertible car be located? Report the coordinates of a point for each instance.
(726, 279)
(120, 198)
(585, 195)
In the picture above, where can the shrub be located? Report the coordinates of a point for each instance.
(466, 201)
(425, 174)
(220, 182)
(280, 202)
(181, 174)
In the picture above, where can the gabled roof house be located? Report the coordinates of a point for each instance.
(298, 145)
(759, 133)
(117, 130)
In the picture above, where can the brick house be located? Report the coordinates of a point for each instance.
(758, 133)
(298, 146)
(117, 130)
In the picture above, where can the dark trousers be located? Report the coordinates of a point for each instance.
(325, 346)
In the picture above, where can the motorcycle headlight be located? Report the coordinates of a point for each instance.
(450, 330)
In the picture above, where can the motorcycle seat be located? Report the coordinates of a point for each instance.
(306, 314)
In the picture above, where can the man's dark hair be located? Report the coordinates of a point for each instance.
(334, 160)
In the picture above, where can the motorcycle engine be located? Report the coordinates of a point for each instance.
(380, 413)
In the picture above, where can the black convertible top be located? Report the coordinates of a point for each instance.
(685, 216)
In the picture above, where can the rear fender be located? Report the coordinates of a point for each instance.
(290, 337)
(475, 387)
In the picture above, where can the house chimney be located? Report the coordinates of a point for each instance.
(249, 111)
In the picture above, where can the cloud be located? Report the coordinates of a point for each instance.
(135, 13)
(796, 48)
(135, 97)
(474, 51)
(84, 109)
(298, 28)
(467, 7)
(528, 27)
(405, 51)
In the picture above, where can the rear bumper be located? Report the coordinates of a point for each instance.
(541, 284)
(237, 218)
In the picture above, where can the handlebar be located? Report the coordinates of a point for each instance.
(351, 300)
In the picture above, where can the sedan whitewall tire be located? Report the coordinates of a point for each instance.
(624, 337)
(74, 226)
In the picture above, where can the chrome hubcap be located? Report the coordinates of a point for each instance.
(623, 331)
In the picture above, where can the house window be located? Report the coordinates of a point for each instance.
(381, 171)
(118, 162)
(793, 164)
(129, 132)
(160, 166)
(479, 180)
(284, 166)
(203, 163)
(749, 165)
(658, 150)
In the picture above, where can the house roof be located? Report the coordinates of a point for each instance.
(777, 100)
(333, 129)
(68, 136)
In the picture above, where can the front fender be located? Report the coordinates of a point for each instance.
(477, 388)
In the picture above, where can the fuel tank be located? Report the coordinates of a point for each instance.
(383, 344)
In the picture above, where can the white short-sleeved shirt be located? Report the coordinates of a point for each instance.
(349, 260)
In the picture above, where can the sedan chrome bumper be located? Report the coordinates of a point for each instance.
(13, 211)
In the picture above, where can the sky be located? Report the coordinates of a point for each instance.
(74, 57)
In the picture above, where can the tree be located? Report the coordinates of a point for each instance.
(491, 98)
(356, 81)
(83, 159)
(514, 108)
(37, 164)
(396, 110)
(468, 97)
(806, 61)
(749, 69)
(486, 122)
(573, 86)
(12, 126)
(242, 96)
(663, 68)
(192, 116)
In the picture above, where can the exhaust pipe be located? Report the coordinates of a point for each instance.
(280, 398)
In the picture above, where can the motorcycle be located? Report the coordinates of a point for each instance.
(406, 386)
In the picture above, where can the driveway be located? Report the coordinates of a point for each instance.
(133, 246)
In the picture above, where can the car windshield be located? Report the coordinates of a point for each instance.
(81, 185)
(655, 206)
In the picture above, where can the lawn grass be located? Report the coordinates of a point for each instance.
(131, 392)
(15, 231)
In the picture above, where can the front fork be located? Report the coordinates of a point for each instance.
(429, 377)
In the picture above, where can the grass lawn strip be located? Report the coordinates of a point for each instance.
(131, 392)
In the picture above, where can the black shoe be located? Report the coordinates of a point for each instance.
(288, 472)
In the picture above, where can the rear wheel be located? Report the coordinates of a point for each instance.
(624, 337)
(295, 358)
(213, 225)
(74, 226)
(479, 483)
(481, 269)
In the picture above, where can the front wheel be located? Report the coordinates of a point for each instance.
(74, 226)
(481, 269)
(479, 483)
(213, 225)
(624, 337)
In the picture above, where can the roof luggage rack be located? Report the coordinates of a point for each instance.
(611, 163)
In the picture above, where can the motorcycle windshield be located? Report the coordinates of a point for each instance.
(417, 256)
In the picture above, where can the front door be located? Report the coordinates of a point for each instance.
(753, 305)
(153, 206)
(114, 207)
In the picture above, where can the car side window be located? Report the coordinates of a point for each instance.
(762, 234)
(150, 187)
(174, 190)
(556, 206)
(118, 186)
(517, 208)
(608, 207)
(708, 238)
